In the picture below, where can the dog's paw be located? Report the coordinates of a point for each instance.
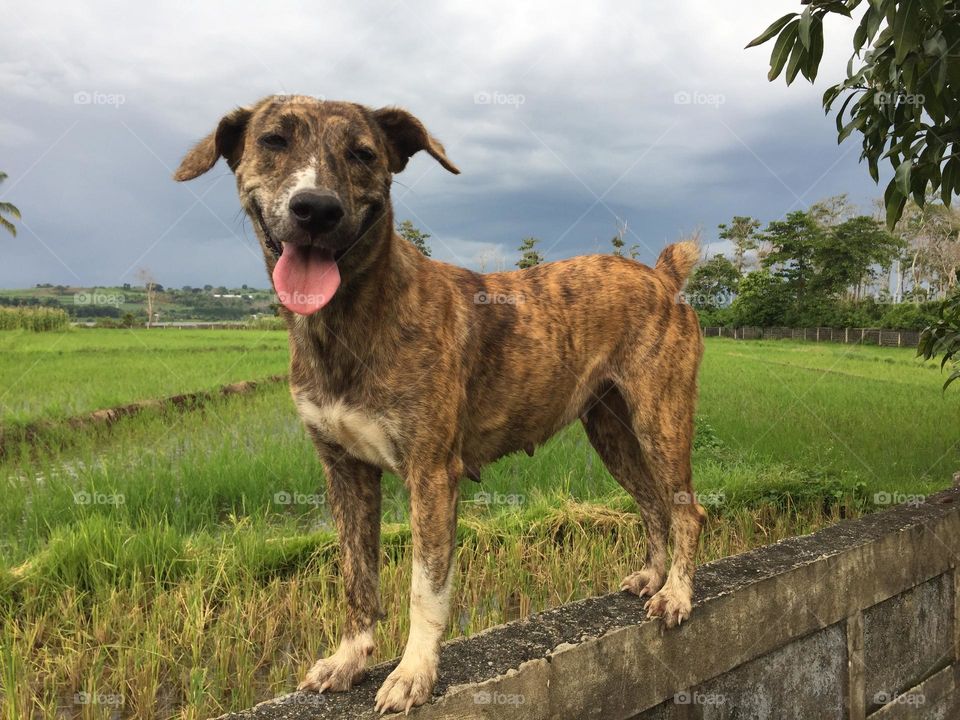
(670, 604)
(642, 583)
(405, 687)
(342, 670)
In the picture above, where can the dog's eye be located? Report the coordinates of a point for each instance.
(363, 155)
(273, 141)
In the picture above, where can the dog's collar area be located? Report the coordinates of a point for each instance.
(272, 244)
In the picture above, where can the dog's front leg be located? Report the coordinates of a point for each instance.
(433, 521)
(353, 495)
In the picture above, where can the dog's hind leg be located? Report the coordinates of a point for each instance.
(663, 425)
(353, 495)
(609, 428)
(433, 522)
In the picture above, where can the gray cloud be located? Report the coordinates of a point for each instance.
(561, 116)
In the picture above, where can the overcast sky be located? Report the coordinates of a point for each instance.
(561, 116)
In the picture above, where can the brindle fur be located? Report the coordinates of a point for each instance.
(447, 370)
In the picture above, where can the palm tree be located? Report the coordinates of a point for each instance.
(8, 209)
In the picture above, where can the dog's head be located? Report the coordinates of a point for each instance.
(314, 177)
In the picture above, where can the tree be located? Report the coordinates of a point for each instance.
(150, 285)
(617, 240)
(762, 300)
(943, 337)
(905, 83)
(408, 231)
(742, 232)
(529, 255)
(848, 255)
(8, 209)
(712, 284)
(793, 242)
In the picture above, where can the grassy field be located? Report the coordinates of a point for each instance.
(54, 375)
(182, 565)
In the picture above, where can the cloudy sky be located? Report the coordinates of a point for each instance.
(562, 117)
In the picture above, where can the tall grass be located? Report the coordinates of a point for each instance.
(33, 319)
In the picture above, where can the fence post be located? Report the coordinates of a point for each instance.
(846, 336)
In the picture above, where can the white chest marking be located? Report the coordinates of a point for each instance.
(363, 435)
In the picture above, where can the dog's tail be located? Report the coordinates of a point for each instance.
(676, 261)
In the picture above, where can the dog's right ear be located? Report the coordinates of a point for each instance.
(226, 140)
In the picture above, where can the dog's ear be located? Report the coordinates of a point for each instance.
(406, 135)
(226, 140)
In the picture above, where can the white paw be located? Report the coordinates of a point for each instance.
(409, 685)
(342, 670)
(671, 604)
(642, 583)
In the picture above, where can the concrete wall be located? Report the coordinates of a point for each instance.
(857, 620)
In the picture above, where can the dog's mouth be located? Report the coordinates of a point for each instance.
(306, 277)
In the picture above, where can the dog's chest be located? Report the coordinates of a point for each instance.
(363, 434)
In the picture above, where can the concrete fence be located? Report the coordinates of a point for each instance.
(858, 620)
(850, 336)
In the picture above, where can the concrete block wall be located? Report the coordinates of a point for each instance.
(856, 621)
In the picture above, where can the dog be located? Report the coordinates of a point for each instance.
(404, 364)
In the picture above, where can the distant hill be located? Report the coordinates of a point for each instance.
(208, 303)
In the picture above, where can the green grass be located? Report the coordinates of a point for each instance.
(153, 564)
(58, 374)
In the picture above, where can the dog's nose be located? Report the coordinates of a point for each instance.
(316, 211)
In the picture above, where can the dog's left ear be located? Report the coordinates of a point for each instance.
(406, 135)
(226, 140)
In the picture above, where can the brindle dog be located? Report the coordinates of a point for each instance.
(404, 364)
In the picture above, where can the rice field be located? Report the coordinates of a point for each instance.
(183, 564)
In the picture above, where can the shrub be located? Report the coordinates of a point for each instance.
(38, 319)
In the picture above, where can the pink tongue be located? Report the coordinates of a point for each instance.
(305, 278)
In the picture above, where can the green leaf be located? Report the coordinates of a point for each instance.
(933, 8)
(902, 176)
(948, 179)
(781, 49)
(772, 30)
(797, 56)
(894, 201)
(906, 29)
(816, 52)
(804, 28)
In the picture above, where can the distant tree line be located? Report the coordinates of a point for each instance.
(831, 266)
